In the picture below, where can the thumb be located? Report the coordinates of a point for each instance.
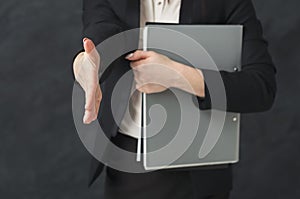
(88, 45)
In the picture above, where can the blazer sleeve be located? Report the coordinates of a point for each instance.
(99, 23)
(99, 20)
(253, 88)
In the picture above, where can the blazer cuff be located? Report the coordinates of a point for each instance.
(212, 78)
(204, 103)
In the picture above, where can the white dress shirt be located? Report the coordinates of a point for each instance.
(164, 11)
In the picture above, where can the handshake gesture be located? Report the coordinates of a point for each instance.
(85, 68)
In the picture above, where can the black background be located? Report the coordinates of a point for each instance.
(41, 155)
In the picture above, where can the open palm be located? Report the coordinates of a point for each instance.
(86, 67)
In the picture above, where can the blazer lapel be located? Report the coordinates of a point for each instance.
(186, 11)
(132, 14)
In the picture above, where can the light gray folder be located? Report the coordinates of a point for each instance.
(176, 133)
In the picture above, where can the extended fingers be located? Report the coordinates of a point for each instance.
(90, 97)
(89, 116)
(93, 99)
(98, 99)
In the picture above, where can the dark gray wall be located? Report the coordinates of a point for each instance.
(41, 155)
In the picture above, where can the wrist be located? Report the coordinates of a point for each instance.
(189, 79)
(179, 77)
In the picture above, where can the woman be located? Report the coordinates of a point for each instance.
(250, 90)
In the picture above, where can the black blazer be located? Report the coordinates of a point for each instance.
(250, 90)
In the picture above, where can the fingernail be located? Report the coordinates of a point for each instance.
(128, 56)
(86, 121)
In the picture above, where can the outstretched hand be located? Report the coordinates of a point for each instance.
(86, 67)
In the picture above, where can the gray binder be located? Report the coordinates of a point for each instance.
(176, 133)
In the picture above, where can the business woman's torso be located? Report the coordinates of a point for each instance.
(250, 90)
